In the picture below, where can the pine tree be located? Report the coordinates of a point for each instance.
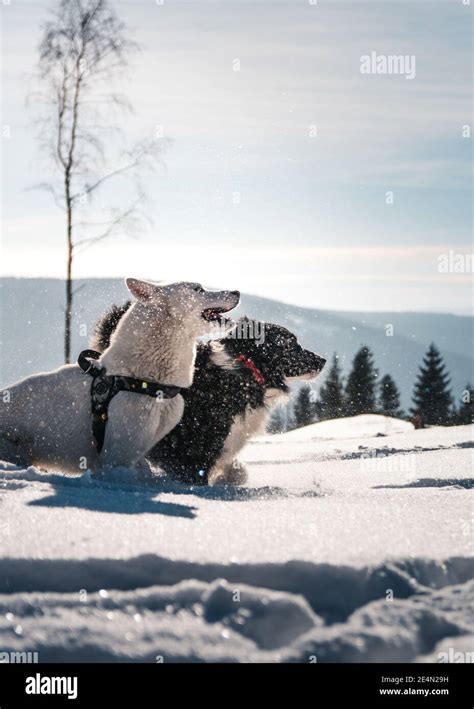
(465, 413)
(389, 398)
(453, 415)
(281, 419)
(304, 409)
(289, 415)
(431, 395)
(361, 383)
(277, 421)
(331, 402)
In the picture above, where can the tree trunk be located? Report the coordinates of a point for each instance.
(68, 310)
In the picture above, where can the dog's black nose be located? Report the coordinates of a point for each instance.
(321, 362)
(236, 293)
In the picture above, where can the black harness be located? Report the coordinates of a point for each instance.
(104, 387)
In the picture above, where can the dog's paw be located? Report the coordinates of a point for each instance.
(234, 474)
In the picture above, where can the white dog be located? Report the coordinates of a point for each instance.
(46, 419)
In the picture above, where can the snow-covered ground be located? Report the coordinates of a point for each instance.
(352, 541)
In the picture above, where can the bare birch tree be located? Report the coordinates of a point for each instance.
(83, 51)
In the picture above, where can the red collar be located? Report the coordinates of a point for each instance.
(250, 364)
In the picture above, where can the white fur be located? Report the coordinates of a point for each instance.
(46, 418)
(219, 356)
(226, 469)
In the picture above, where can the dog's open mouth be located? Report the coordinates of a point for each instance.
(214, 314)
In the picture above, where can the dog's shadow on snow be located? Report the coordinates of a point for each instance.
(118, 501)
(456, 483)
(142, 499)
(237, 493)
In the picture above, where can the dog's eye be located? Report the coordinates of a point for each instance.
(199, 289)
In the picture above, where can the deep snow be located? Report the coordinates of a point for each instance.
(352, 541)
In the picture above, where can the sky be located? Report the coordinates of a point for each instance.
(286, 171)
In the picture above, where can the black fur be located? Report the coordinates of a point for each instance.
(107, 324)
(216, 397)
(221, 392)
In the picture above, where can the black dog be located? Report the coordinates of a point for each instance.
(237, 380)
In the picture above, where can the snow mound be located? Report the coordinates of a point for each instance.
(197, 622)
(363, 426)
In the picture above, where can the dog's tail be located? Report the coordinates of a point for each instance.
(106, 326)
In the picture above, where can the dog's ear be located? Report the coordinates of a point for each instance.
(142, 290)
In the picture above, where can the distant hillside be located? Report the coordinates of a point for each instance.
(451, 332)
(32, 330)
